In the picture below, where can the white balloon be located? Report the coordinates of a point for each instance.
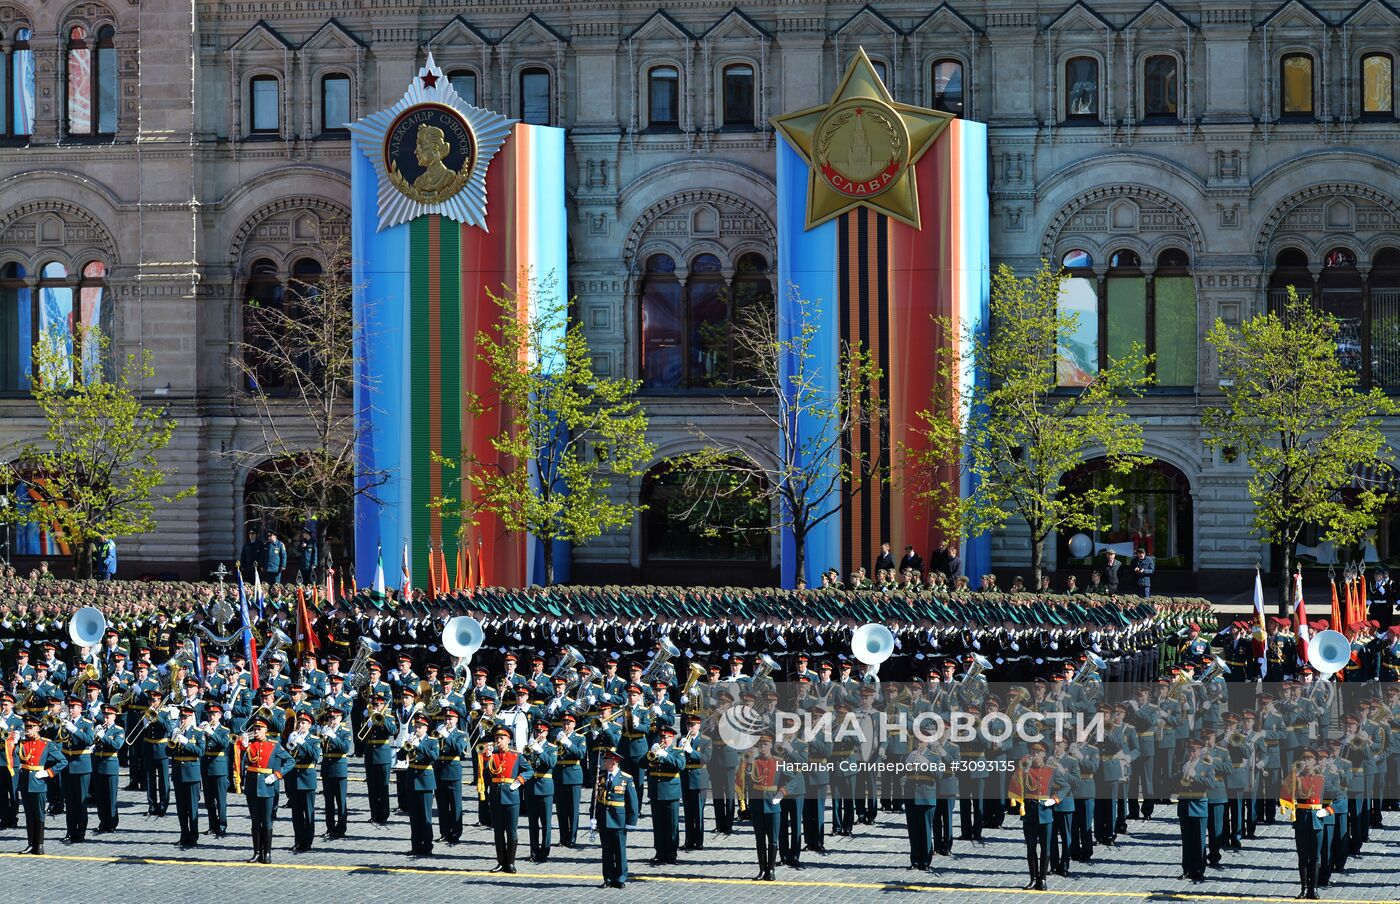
(1080, 546)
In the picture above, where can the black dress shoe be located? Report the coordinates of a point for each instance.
(605, 884)
(28, 850)
(619, 885)
(511, 870)
(1040, 885)
(256, 858)
(498, 868)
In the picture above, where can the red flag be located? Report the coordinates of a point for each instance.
(330, 588)
(461, 576)
(1300, 614)
(480, 564)
(471, 571)
(306, 636)
(1337, 606)
(432, 575)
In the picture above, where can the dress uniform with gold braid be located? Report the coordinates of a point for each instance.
(184, 749)
(108, 738)
(447, 771)
(506, 772)
(76, 736)
(615, 810)
(543, 757)
(337, 743)
(39, 759)
(418, 785)
(1302, 794)
(379, 737)
(568, 778)
(214, 768)
(304, 747)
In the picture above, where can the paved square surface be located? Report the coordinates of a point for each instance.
(141, 863)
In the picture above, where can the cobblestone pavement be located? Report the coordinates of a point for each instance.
(140, 863)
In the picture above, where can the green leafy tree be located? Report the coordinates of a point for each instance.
(95, 472)
(569, 432)
(809, 412)
(1016, 431)
(1303, 425)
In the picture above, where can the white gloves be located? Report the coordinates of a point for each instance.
(515, 785)
(270, 778)
(592, 825)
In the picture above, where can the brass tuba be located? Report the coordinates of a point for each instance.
(659, 659)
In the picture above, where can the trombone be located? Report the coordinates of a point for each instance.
(374, 718)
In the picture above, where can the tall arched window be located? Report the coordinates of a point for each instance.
(1160, 87)
(882, 70)
(707, 314)
(264, 104)
(1125, 309)
(947, 84)
(1290, 270)
(1078, 358)
(335, 102)
(534, 96)
(91, 82)
(263, 305)
(1340, 293)
(17, 315)
(93, 312)
(1384, 286)
(738, 96)
(688, 330)
(1154, 513)
(463, 81)
(663, 325)
(683, 510)
(1174, 344)
(1378, 85)
(663, 97)
(753, 300)
(1296, 81)
(1081, 89)
(18, 97)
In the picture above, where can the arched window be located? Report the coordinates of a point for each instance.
(93, 312)
(707, 312)
(1081, 89)
(264, 300)
(947, 84)
(1378, 85)
(753, 300)
(335, 103)
(1384, 285)
(92, 82)
(1154, 514)
(663, 326)
(17, 91)
(463, 81)
(1340, 292)
(1125, 309)
(534, 96)
(1160, 87)
(1078, 358)
(264, 104)
(663, 98)
(882, 70)
(681, 539)
(1174, 343)
(738, 96)
(17, 316)
(1296, 81)
(1290, 269)
(688, 330)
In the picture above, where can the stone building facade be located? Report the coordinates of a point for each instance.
(161, 161)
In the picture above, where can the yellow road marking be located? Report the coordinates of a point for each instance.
(684, 880)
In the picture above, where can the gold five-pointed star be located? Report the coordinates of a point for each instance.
(861, 147)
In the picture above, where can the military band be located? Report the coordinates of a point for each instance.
(571, 736)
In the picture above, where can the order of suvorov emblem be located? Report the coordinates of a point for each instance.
(429, 152)
(862, 147)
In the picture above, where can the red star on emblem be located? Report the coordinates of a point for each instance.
(859, 111)
(429, 80)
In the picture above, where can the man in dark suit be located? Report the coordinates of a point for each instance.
(1143, 567)
(955, 565)
(911, 560)
(885, 560)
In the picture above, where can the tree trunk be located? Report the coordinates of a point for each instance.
(1037, 560)
(548, 543)
(82, 560)
(799, 542)
(1285, 582)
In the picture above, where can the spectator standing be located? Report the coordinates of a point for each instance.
(1110, 571)
(251, 556)
(104, 559)
(308, 557)
(274, 559)
(1143, 566)
(911, 560)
